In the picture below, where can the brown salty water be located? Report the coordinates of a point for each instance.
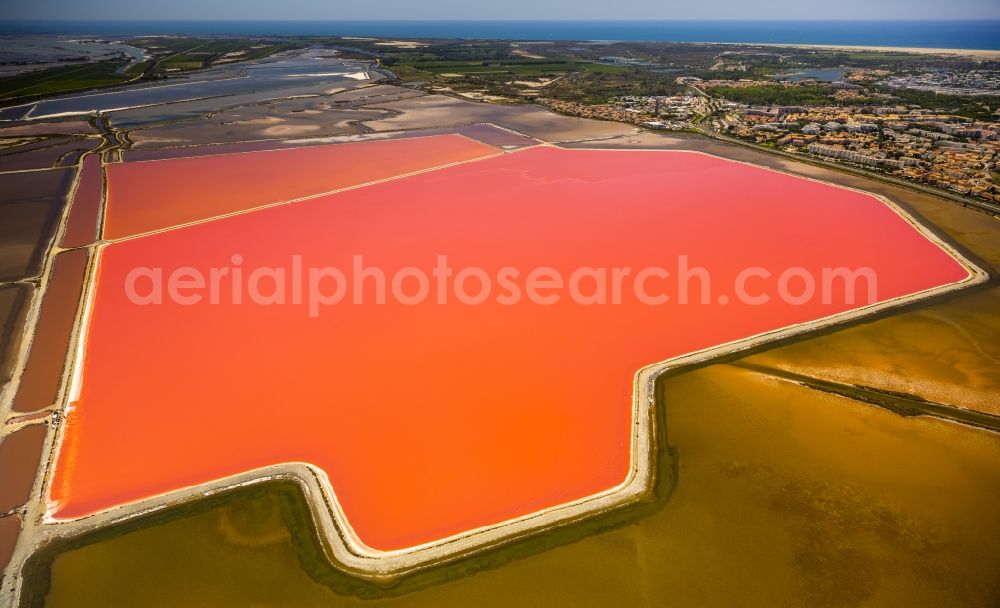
(41, 377)
(13, 307)
(19, 455)
(29, 206)
(10, 527)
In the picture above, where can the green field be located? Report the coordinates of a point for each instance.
(194, 53)
(62, 79)
(182, 64)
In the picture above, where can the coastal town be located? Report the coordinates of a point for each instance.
(933, 147)
(913, 143)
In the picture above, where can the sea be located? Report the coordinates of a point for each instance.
(954, 34)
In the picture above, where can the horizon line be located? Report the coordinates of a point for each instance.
(591, 20)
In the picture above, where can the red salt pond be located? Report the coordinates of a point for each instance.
(434, 419)
(202, 187)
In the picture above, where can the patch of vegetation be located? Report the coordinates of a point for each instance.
(62, 79)
(979, 107)
(410, 74)
(602, 87)
(519, 67)
(776, 95)
(171, 53)
(182, 64)
(139, 68)
(492, 67)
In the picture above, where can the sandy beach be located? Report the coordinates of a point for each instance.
(978, 53)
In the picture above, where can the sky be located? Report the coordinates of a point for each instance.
(337, 10)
